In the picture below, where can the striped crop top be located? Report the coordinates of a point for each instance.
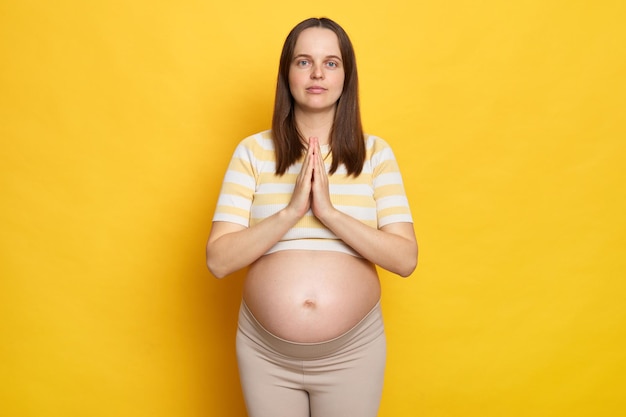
(251, 192)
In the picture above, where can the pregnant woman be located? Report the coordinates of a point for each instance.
(310, 207)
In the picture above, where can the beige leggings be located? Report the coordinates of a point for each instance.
(342, 377)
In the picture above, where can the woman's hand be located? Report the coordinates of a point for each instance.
(301, 198)
(232, 246)
(320, 198)
(392, 247)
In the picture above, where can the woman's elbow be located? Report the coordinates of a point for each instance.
(409, 264)
(216, 268)
(407, 269)
(215, 271)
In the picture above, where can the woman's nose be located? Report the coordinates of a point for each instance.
(317, 72)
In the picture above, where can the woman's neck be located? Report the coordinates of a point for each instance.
(315, 125)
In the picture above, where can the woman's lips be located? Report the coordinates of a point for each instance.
(316, 90)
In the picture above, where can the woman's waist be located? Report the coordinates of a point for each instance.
(367, 329)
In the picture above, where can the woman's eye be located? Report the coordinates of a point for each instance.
(302, 63)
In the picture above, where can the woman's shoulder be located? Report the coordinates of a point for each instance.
(263, 138)
(375, 144)
(256, 148)
(258, 142)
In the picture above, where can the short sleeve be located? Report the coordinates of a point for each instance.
(392, 205)
(238, 187)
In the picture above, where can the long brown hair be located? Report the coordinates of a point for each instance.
(346, 139)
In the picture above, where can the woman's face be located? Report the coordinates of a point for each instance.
(316, 73)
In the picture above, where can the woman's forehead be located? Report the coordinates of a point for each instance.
(317, 41)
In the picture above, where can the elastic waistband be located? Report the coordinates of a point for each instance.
(370, 327)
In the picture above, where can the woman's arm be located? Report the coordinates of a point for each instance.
(392, 247)
(232, 247)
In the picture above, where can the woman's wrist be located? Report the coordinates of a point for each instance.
(289, 215)
(329, 217)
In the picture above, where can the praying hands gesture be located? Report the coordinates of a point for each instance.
(311, 190)
(389, 246)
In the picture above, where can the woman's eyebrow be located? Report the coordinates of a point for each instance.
(310, 57)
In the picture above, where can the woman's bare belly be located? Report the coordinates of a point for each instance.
(310, 296)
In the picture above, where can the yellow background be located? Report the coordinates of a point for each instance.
(118, 120)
